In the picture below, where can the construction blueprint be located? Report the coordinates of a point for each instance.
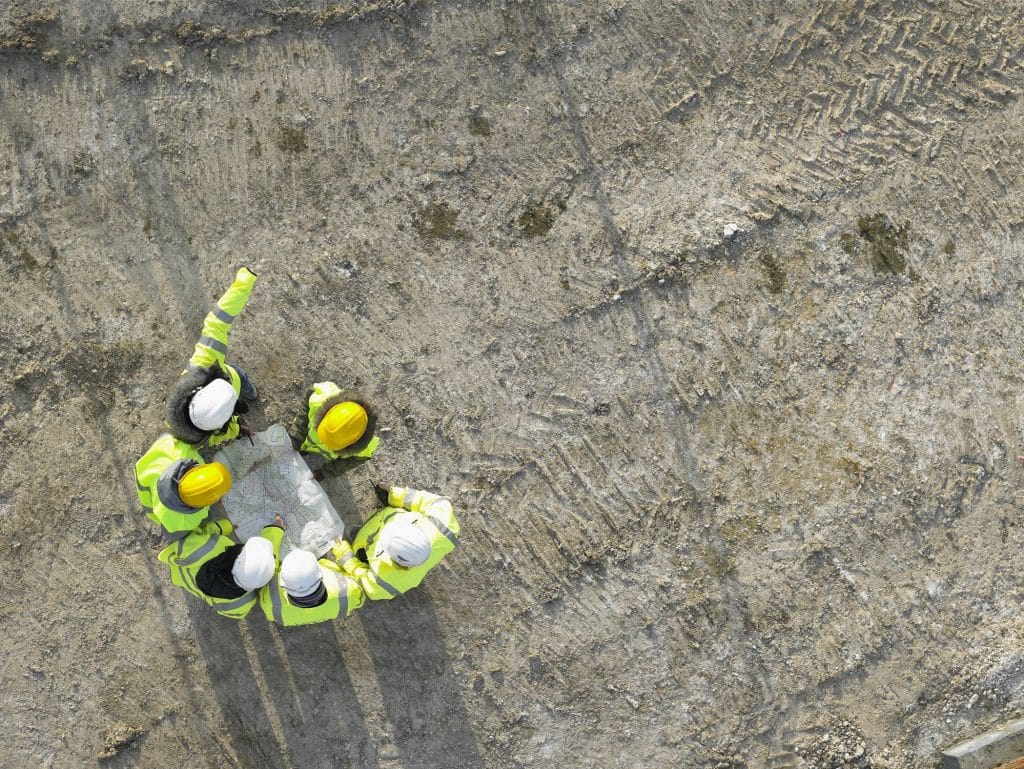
(269, 477)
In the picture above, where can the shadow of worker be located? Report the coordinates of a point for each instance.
(309, 690)
(430, 726)
(246, 720)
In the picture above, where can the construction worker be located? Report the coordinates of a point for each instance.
(307, 590)
(221, 572)
(176, 487)
(203, 405)
(399, 544)
(339, 423)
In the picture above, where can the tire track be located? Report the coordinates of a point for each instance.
(620, 252)
(119, 465)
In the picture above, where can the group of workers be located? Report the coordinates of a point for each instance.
(387, 555)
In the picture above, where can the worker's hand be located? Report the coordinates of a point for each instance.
(346, 559)
(341, 550)
(250, 269)
(278, 520)
(355, 569)
(381, 489)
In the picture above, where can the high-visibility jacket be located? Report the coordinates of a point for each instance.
(157, 476)
(189, 554)
(208, 363)
(380, 577)
(322, 398)
(344, 596)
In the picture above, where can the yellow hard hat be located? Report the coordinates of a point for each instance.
(342, 426)
(204, 484)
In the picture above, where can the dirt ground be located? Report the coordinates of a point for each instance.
(705, 315)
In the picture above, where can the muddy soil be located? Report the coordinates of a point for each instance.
(706, 316)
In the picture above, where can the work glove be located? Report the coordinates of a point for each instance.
(381, 489)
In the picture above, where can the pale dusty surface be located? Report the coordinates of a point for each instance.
(705, 315)
(270, 478)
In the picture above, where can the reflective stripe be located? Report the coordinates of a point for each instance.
(443, 529)
(390, 588)
(213, 344)
(237, 603)
(223, 315)
(190, 583)
(275, 600)
(199, 552)
(348, 557)
(343, 599)
(174, 536)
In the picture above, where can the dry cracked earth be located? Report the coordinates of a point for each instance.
(706, 316)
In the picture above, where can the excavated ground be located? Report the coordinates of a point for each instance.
(706, 316)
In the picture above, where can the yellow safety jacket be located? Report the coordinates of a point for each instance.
(323, 397)
(380, 577)
(157, 476)
(208, 363)
(344, 596)
(188, 555)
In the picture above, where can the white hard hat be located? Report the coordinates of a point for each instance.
(255, 564)
(300, 573)
(212, 406)
(406, 543)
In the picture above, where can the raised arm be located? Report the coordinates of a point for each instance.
(213, 344)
